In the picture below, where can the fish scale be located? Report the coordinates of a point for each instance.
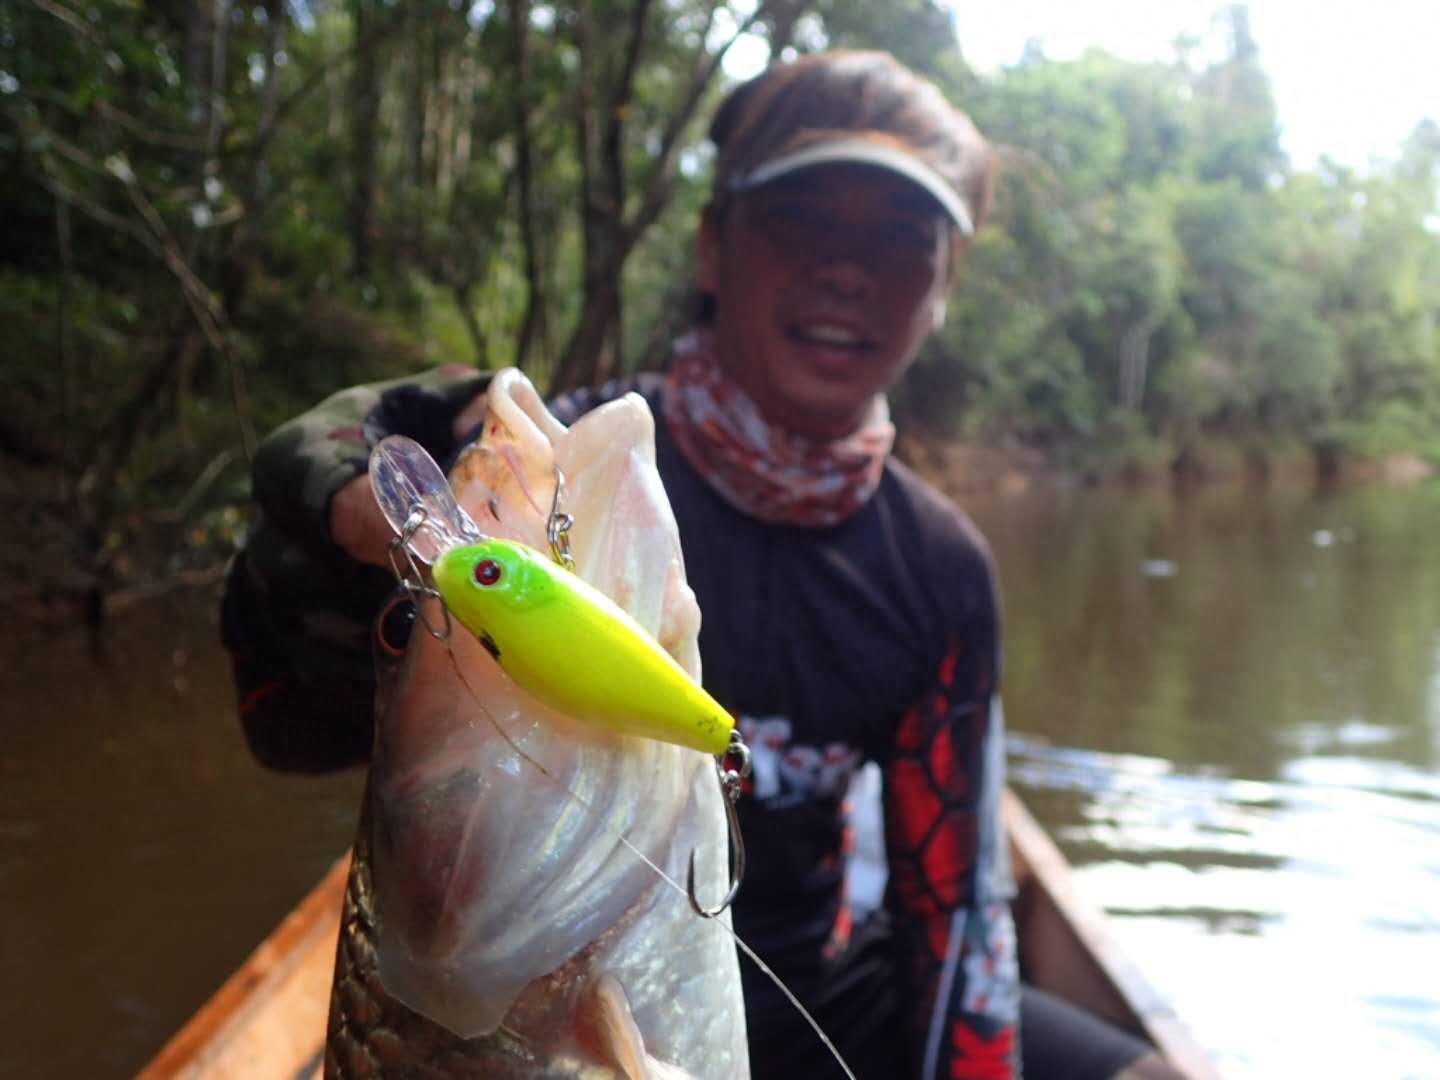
(371, 1036)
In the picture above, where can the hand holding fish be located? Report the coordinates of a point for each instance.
(358, 526)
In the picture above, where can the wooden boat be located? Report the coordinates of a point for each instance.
(1067, 948)
(267, 1022)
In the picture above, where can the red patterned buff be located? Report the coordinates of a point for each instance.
(760, 469)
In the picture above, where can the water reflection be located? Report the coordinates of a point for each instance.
(1239, 753)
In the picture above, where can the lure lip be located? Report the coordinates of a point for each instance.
(417, 501)
(432, 528)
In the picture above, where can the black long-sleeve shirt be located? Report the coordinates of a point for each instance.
(872, 640)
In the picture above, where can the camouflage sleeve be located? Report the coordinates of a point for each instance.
(302, 464)
(297, 613)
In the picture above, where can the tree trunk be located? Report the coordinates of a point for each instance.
(610, 234)
(364, 141)
(199, 32)
(466, 308)
(782, 27)
(535, 300)
(269, 101)
(581, 353)
(212, 16)
(588, 341)
(1134, 360)
(415, 140)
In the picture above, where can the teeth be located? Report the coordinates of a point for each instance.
(831, 335)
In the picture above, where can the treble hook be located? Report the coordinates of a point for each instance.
(732, 767)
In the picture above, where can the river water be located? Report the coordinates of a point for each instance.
(1225, 707)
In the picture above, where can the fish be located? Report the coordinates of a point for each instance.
(499, 919)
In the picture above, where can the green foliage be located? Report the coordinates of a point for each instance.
(1123, 445)
(212, 222)
(1157, 278)
(1391, 429)
(1002, 364)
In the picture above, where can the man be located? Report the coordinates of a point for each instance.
(850, 612)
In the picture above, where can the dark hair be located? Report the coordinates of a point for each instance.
(850, 92)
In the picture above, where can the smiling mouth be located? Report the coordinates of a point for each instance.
(829, 336)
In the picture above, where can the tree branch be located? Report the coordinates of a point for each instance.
(363, 46)
(70, 18)
(624, 90)
(657, 187)
(144, 133)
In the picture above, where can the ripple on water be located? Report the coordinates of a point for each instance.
(1212, 880)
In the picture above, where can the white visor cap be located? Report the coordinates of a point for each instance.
(863, 152)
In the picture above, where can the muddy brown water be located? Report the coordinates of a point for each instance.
(1226, 707)
(142, 853)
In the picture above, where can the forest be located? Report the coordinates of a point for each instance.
(218, 213)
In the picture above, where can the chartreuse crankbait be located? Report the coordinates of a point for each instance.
(561, 639)
(574, 649)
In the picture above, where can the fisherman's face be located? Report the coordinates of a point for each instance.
(826, 282)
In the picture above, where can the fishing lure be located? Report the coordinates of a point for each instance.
(574, 649)
(559, 638)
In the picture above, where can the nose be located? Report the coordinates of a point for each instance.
(842, 267)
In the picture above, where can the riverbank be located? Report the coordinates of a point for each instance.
(961, 469)
(52, 571)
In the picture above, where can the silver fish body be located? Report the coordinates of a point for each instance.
(498, 920)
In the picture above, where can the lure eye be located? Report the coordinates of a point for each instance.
(487, 572)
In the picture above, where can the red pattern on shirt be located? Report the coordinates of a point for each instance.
(979, 1058)
(933, 782)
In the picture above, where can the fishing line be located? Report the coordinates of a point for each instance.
(660, 873)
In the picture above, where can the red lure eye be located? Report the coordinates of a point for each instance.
(487, 572)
